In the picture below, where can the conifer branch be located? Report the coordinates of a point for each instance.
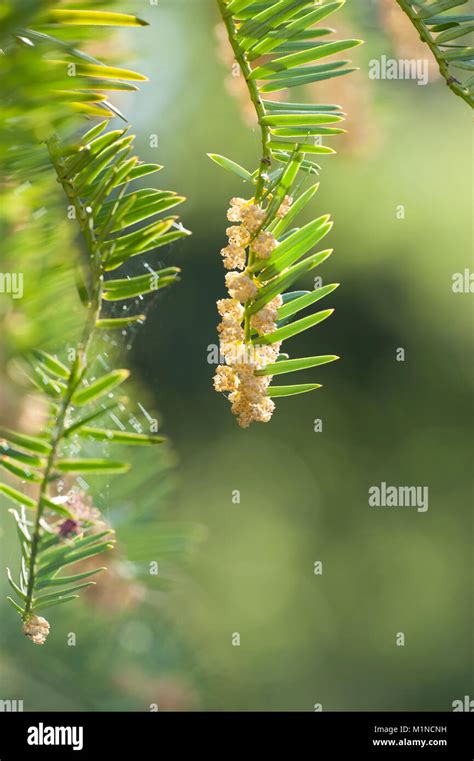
(274, 43)
(96, 173)
(439, 32)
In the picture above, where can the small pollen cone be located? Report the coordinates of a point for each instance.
(37, 629)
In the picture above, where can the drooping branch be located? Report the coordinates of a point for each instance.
(438, 31)
(275, 43)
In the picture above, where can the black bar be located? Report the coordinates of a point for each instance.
(300, 735)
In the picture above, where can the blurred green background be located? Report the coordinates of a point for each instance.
(305, 639)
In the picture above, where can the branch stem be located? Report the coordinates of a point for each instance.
(77, 371)
(266, 158)
(242, 60)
